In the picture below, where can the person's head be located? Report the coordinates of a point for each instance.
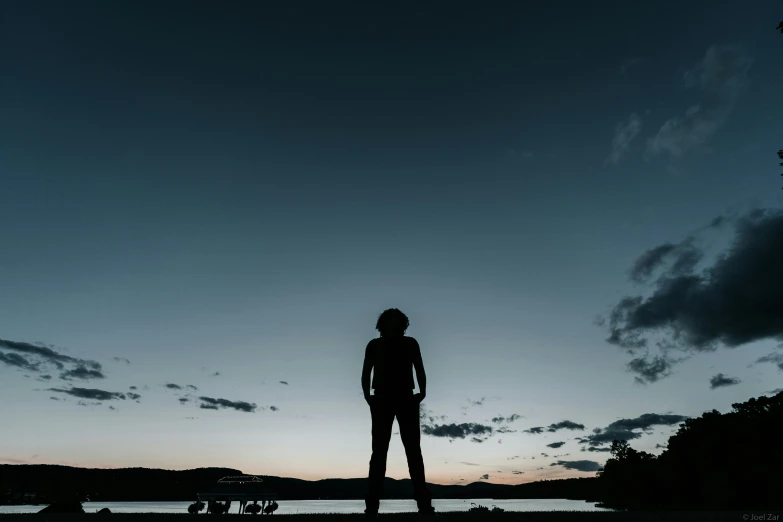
(392, 322)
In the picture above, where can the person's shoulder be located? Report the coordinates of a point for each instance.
(412, 341)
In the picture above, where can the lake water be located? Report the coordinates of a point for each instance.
(335, 506)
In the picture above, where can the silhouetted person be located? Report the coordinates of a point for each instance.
(392, 357)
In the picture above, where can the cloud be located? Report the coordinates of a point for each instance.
(720, 380)
(14, 359)
(82, 372)
(283, 382)
(733, 302)
(651, 369)
(485, 476)
(132, 387)
(191, 387)
(510, 418)
(517, 472)
(183, 400)
(579, 465)
(133, 396)
(91, 393)
(555, 445)
(720, 76)
(43, 354)
(469, 463)
(215, 374)
(45, 377)
(774, 357)
(121, 359)
(562, 425)
(274, 408)
(593, 448)
(565, 425)
(426, 416)
(544, 455)
(456, 431)
(624, 429)
(624, 133)
(173, 386)
(628, 64)
(210, 403)
(683, 258)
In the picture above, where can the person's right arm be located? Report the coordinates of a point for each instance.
(369, 362)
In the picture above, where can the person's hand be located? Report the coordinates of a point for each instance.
(419, 397)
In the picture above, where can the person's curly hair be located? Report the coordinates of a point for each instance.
(392, 321)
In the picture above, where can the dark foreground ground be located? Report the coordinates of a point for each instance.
(459, 516)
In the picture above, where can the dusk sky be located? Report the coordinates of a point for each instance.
(206, 206)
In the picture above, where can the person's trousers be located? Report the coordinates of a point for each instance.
(384, 408)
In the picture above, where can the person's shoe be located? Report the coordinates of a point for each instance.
(428, 512)
(370, 515)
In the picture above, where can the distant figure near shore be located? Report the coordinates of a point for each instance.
(391, 358)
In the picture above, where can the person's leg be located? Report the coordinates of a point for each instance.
(410, 431)
(382, 419)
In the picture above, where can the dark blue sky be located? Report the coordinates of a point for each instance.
(204, 187)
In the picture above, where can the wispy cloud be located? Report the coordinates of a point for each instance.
(91, 393)
(511, 418)
(552, 428)
(82, 372)
(624, 133)
(210, 403)
(720, 76)
(775, 358)
(40, 355)
(121, 359)
(628, 64)
(18, 361)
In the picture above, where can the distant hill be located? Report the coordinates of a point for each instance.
(144, 484)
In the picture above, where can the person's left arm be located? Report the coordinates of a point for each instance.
(418, 365)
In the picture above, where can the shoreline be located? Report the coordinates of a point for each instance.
(523, 516)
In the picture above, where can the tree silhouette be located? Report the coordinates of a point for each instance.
(714, 462)
(780, 152)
